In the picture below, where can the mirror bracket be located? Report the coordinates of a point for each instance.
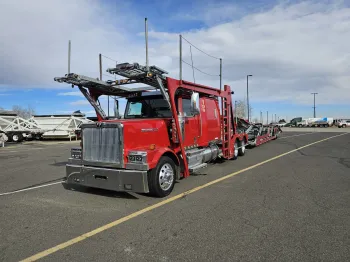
(116, 109)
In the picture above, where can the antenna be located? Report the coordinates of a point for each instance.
(146, 39)
(69, 48)
(100, 65)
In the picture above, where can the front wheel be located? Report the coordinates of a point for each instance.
(161, 179)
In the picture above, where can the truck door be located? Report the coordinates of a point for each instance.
(192, 127)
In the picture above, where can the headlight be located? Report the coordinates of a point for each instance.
(137, 156)
(76, 153)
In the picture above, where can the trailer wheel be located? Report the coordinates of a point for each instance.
(17, 138)
(161, 179)
(241, 151)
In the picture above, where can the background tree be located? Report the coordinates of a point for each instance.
(241, 109)
(23, 112)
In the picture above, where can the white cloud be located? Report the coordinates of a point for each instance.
(35, 38)
(73, 93)
(80, 103)
(291, 50)
(86, 112)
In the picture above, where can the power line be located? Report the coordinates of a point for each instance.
(200, 49)
(199, 69)
(107, 75)
(108, 58)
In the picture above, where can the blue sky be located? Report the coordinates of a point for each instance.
(292, 48)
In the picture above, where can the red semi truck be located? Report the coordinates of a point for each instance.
(169, 130)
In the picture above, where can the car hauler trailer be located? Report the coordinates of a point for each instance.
(258, 133)
(170, 129)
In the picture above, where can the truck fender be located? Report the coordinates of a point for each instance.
(165, 152)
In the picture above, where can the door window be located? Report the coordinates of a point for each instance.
(186, 107)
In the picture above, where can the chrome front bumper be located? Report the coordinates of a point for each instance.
(106, 178)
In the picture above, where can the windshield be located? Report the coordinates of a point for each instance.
(147, 107)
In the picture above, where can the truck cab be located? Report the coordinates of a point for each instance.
(140, 152)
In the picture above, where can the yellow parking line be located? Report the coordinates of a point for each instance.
(161, 203)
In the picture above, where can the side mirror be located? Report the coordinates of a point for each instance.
(195, 104)
(116, 109)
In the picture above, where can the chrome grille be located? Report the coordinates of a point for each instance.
(102, 144)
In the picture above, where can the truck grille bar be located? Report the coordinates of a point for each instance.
(103, 145)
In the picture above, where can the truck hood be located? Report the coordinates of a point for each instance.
(139, 134)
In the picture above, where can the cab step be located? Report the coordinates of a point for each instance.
(196, 168)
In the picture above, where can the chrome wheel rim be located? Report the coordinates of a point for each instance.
(236, 149)
(15, 138)
(166, 176)
(243, 146)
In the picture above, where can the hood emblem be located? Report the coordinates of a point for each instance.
(149, 129)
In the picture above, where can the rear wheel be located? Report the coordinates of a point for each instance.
(241, 151)
(235, 152)
(161, 179)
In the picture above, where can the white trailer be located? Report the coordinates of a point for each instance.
(60, 126)
(321, 122)
(316, 122)
(17, 128)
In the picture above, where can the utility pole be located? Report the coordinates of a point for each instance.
(314, 104)
(69, 51)
(261, 119)
(248, 97)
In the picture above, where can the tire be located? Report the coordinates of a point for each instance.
(17, 138)
(157, 184)
(235, 151)
(9, 137)
(241, 151)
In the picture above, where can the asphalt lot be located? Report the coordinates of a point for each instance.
(293, 208)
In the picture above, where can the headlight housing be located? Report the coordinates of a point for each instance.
(137, 157)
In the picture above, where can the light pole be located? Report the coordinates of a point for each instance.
(248, 97)
(314, 104)
(267, 117)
